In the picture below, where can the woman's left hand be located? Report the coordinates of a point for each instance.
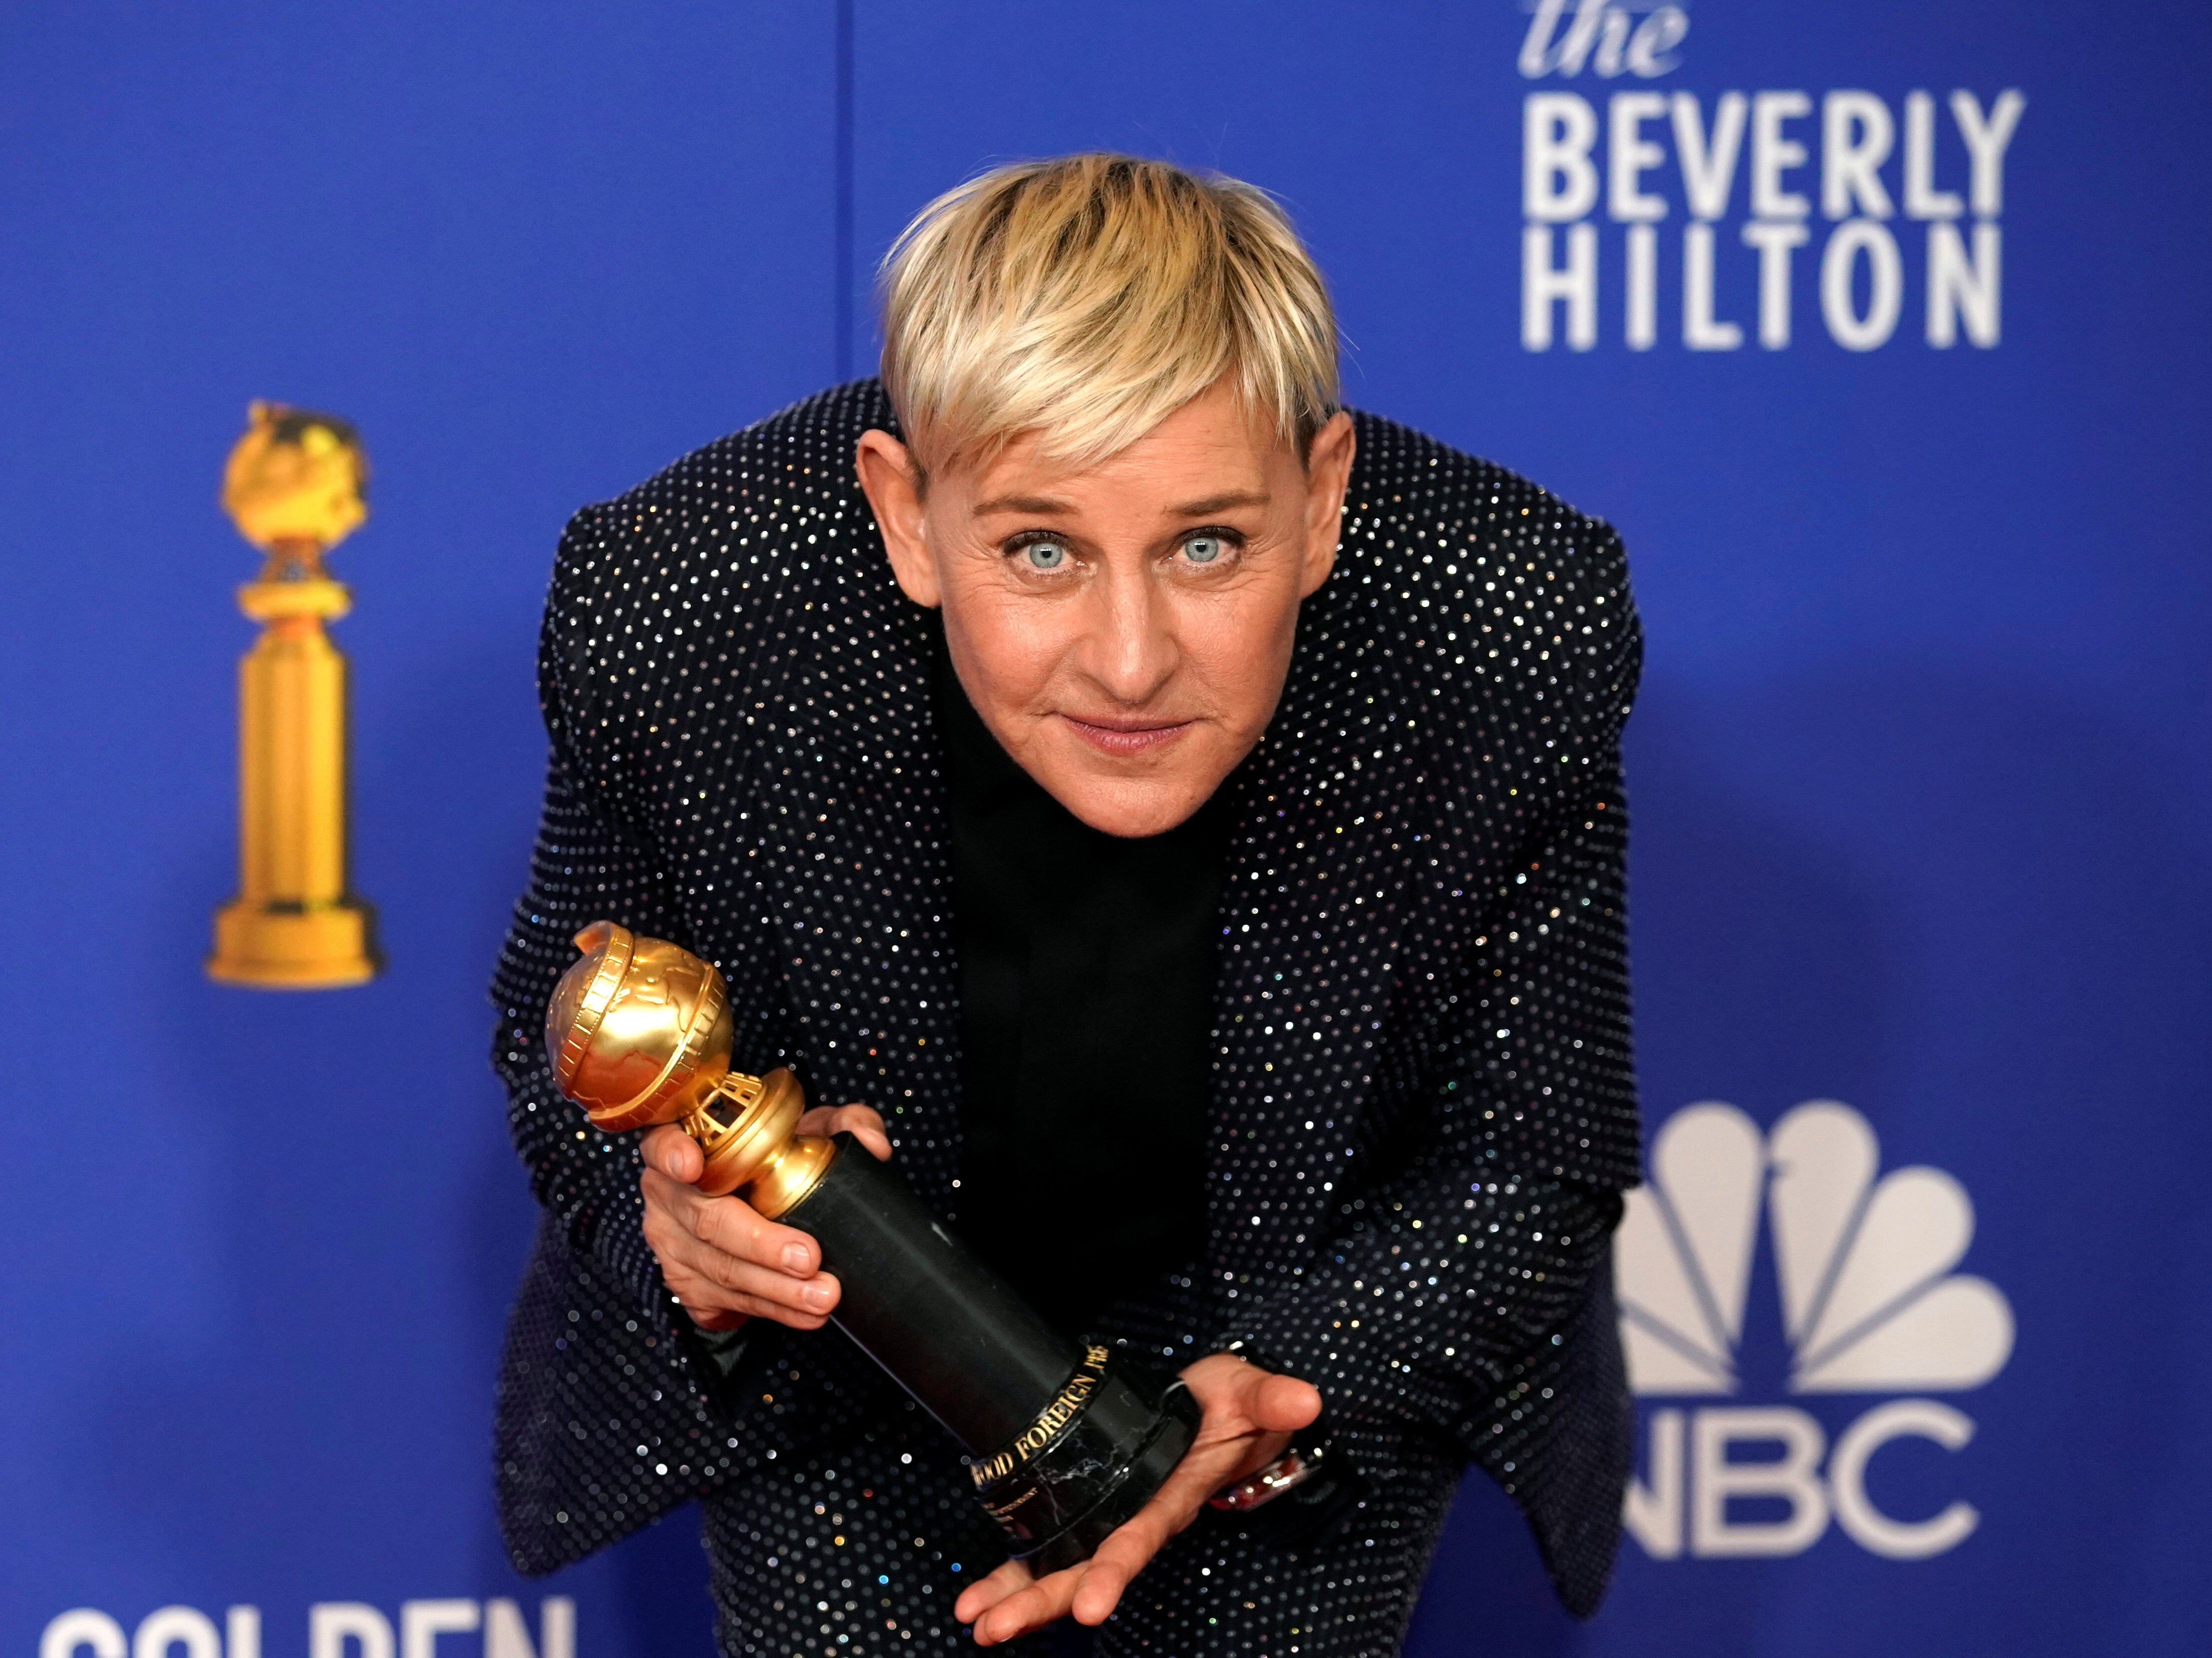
(1250, 1416)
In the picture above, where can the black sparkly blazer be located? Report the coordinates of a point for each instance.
(1423, 1109)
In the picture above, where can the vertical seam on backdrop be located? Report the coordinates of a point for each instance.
(842, 275)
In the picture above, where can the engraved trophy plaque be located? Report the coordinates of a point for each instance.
(1066, 1440)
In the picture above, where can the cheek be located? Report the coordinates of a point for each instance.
(1239, 646)
(1005, 644)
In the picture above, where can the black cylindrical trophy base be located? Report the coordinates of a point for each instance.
(1124, 1431)
(1066, 1440)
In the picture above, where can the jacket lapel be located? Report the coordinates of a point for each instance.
(1314, 925)
(854, 831)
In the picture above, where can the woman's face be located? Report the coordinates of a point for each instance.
(1123, 629)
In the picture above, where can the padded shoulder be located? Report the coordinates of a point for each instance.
(1461, 584)
(702, 549)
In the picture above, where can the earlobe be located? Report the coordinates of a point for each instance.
(1320, 562)
(887, 478)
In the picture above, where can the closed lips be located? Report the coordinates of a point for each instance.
(1130, 738)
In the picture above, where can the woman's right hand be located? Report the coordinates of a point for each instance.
(720, 1257)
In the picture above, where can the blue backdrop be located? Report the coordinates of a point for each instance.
(1897, 395)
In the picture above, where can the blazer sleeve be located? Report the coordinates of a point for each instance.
(589, 863)
(1444, 1302)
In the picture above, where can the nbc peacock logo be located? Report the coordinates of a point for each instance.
(1869, 1305)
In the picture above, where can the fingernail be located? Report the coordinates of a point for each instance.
(794, 1258)
(817, 1297)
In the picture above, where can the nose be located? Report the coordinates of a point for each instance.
(1132, 652)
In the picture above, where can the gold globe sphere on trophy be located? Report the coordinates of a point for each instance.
(293, 487)
(639, 1034)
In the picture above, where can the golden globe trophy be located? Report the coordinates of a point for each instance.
(294, 488)
(1066, 1439)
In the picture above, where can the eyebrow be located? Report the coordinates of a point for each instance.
(1220, 503)
(1047, 505)
(1042, 504)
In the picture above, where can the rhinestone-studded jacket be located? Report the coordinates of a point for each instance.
(1423, 1110)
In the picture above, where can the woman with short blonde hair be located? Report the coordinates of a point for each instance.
(1183, 816)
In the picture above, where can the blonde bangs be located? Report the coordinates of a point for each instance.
(1086, 298)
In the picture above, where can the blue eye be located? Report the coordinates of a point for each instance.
(1045, 554)
(1202, 549)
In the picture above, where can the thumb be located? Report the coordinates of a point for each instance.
(1279, 1404)
(674, 1153)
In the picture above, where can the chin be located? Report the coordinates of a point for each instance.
(1132, 811)
(1131, 796)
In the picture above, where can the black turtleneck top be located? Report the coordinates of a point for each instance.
(1086, 979)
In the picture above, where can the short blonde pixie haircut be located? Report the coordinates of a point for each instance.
(1086, 298)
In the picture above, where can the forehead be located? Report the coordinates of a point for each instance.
(1211, 447)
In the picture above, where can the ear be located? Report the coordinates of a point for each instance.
(889, 480)
(1329, 475)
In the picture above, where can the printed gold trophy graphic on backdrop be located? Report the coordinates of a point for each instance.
(293, 487)
(1066, 1439)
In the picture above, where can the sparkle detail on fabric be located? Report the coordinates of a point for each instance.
(1422, 1103)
